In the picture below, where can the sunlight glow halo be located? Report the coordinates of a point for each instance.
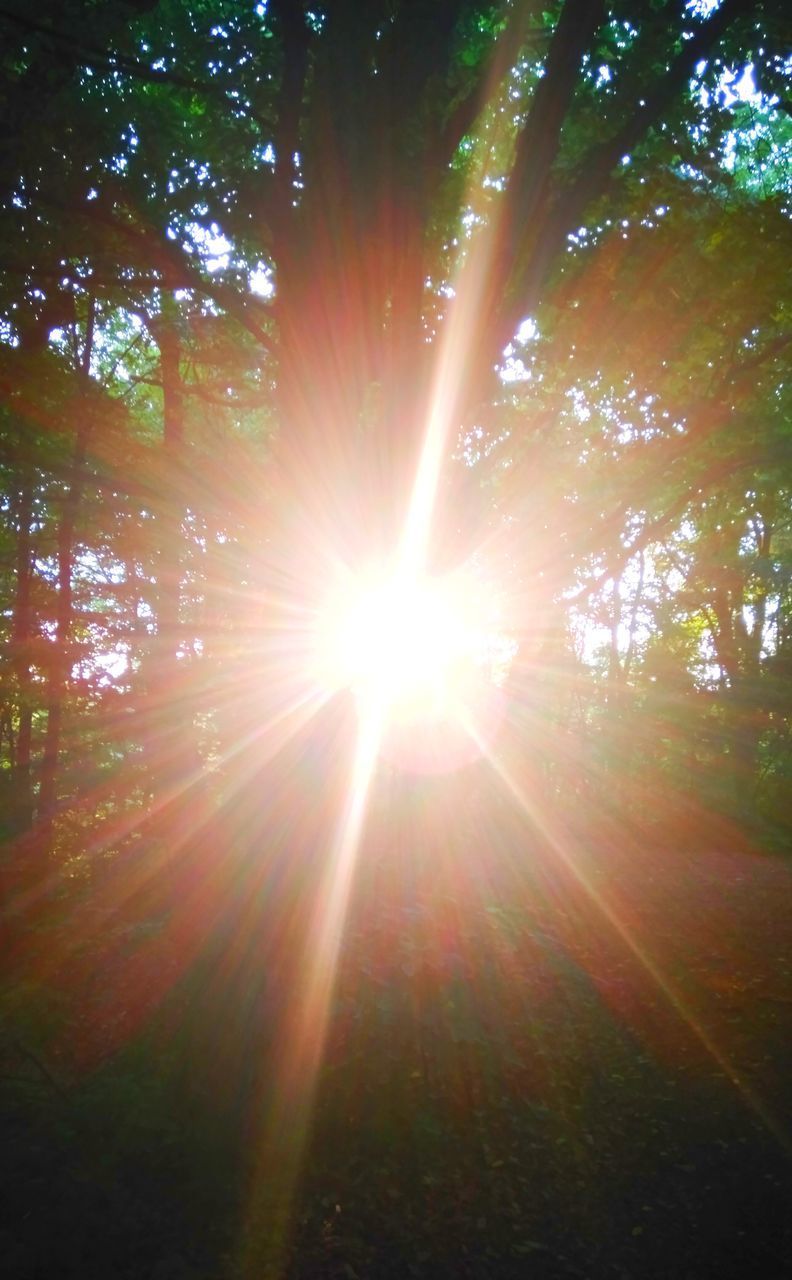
(420, 654)
(398, 643)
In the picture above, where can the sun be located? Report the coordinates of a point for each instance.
(417, 651)
(401, 644)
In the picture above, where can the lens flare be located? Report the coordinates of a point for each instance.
(400, 643)
(421, 653)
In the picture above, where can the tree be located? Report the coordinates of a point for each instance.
(303, 236)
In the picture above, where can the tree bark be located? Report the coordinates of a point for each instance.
(22, 634)
(166, 334)
(59, 672)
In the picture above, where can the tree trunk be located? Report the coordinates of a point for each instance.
(169, 577)
(169, 736)
(59, 673)
(22, 633)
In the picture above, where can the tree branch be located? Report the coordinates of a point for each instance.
(166, 257)
(597, 170)
(295, 36)
(467, 109)
(539, 141)
(735, 384)
(105, 60)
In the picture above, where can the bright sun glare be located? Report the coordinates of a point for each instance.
(399, 644)
(419, 654)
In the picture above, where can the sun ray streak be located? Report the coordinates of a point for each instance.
(556, 841)
(459, 337)
(445, 403)
(256, 748)
(286, 1125)
(287, 1118)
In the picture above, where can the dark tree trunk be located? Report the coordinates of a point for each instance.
(59, 673)
(169, 734)
(22, 633)
(168, 340)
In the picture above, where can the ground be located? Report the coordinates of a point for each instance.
(562, 1072)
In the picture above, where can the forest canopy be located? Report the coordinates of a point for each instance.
(257, 258)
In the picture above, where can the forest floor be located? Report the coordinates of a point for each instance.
(585, 1078)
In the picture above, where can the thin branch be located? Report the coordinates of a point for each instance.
(166, 257)
(106, 60)
(43, 1070)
